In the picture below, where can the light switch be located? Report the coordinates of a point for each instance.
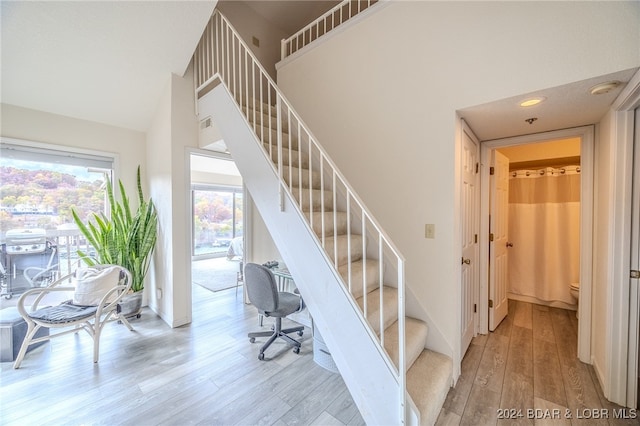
(430, 230)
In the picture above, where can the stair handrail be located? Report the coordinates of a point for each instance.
(212, 65)
(322, 25)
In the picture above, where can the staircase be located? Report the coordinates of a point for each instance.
(347, 269)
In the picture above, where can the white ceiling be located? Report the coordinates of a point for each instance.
(80, 58)
(566, 106)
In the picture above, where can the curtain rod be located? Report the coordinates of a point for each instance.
(543, 170)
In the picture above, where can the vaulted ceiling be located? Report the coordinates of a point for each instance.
(82, 58)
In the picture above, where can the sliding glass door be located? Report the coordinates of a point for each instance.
(217, 219)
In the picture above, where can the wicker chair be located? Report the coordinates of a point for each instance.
(97, 292)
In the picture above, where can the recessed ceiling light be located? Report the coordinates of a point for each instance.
(602, 88)
(532, 101)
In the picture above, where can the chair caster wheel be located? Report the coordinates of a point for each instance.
(296, 350)
(253, 340)
(300, 333)
(261, 357)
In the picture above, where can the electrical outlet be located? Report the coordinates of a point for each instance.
(430, 230)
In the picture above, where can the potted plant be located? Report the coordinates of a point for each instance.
(124, 238)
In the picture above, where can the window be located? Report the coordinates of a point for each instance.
(40, 186)
(217, 219)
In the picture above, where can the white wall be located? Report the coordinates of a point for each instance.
(249, 24)
(159, 172)
(543, 150)
(38, 126)
(171, 137)
(262, 248)
(390, 106)
(173, 129)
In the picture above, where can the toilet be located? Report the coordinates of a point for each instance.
(574, 288)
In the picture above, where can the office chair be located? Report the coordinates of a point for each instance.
(263, 293)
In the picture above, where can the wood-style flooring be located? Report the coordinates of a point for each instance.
(208, 373)
(203, 373)
(527, 372)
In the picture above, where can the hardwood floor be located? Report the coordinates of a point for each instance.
(528, 371)
(208, 373)
(203, 373)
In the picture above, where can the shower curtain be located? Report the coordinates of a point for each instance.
(544, 228)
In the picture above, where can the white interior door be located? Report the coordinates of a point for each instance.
(469, 231)
(633, 381)
(498, 228)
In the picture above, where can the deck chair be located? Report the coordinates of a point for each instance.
(41, 277)
(97, 292)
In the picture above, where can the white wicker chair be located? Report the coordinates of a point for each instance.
(69, 316)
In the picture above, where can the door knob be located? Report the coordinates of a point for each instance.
(466, 261)
(509, 244)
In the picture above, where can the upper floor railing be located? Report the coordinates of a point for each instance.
(333, 18)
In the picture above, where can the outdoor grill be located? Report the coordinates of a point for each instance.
(26, 241)
(28, 260)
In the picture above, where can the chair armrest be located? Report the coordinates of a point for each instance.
(105, 305)
(123, 289)
(45, 290)
(41, 292)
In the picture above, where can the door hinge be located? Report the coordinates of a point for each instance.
(475, 238)
(492, 170)
(635, 274)
(491, 236)
(477, 167)
(475, 308)
(490, 303)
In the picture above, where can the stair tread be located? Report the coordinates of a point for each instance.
(428, 382)
(295, 173)
(356, 248)
(296, 160)
(373, 307)
(313, 196)
(356, 276)
(415, 340)
(341, 219)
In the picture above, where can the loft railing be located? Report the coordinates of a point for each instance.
(222, 56)
(333, 18)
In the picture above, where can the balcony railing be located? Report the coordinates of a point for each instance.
(61, 260)
(332, 19)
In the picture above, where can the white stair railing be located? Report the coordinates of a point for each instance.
(223, 57)
(333, 18)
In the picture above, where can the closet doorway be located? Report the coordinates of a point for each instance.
(550, 211)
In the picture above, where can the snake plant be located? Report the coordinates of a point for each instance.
(124, 237)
